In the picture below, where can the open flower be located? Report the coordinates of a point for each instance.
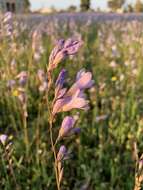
(62, 50)
(68, 103)
(83, 81)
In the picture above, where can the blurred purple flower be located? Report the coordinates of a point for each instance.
(22, 76)
(43, 87)
(36, 38)
(11, 84)
(7, 24)
(7, 17)
(3, 138)
(62, 50)
(41, 75)
(75, 131)
(43, 80)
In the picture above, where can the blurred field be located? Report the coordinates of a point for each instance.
(104, 154)
(98, 17)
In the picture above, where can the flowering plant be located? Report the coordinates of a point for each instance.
(65, 100)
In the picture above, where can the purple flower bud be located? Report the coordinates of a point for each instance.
(53, 59)
(72, 46)
(62, 50)
(66, 127)
(61, 78)
(62, 153)
(59, 92)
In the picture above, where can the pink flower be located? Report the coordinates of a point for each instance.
(83, 81)
(68, 103)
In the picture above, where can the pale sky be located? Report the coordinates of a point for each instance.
(65, 3)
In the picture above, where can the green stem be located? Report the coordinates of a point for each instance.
(26, 139)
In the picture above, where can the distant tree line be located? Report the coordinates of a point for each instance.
(115, 5)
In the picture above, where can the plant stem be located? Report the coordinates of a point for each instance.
(51, 132)
(11, 170)
(54, 152)
(26, 139)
